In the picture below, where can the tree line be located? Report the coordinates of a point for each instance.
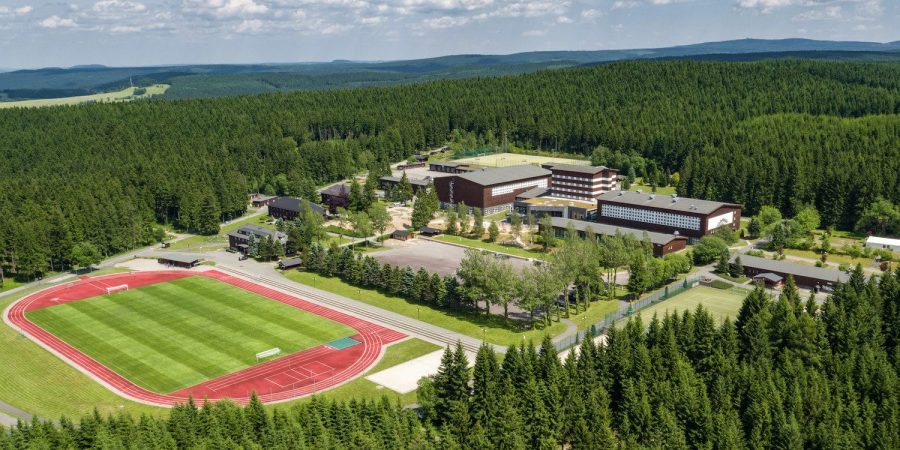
(787, 373)
(785, 133)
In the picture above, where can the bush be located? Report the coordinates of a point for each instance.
(756, 253)
(719, 284)
(820, 264)
(708, 250)
(844, 267)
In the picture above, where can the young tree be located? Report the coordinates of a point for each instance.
(708, 250)
(737, 268)
(638, 276)
(808, 219)
(493, 232)
(754, 228)
(362, 225)
(548, 234)
(309, 225)
(880, 217)
(404, 192)
(722, 265)
(208, 219)
(452, 228)
(477, 223)
(85, 255)
(355, 200)
(426, 204)
(380, 217)
(515, 223)
(462, 216)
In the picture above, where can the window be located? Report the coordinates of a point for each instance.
(510, 188)
(651, 216)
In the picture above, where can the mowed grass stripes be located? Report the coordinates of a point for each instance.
(168, 336)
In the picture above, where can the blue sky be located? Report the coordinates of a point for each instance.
(151, 32)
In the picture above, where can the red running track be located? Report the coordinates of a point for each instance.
(302, 373)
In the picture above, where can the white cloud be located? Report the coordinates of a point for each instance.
(24, 10)
(563, 20)
(592, 14)
(57, 22)
(829, 13)
(106, 6)
(227, 8)
(21, 11)
(534, 33)
(627, 4)
(249, 26)
(446, 22)
(768, 6)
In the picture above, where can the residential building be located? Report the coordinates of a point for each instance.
(288, 208)
(668, 214)
(240, 238)
(260, 200)
(581, 182)
(335, 196)
(883, 243)
(390, 182)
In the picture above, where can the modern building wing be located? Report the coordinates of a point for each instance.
(666, 213)
(491, 190)
(581, 182)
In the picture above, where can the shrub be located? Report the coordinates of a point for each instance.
(719, 284)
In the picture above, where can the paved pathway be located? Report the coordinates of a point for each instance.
(10, 414)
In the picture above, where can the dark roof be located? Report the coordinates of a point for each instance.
(293, 204)
(450, 164)
(261, 197)
(670, 202)
(533, 193)
(245, 230)
(336, 190)
(797, 270)
(590, 170)
(769, 276)
(400, 233)
(181, 258)
(429, 230)
(603, 229)
(490, 177)
(292, 262)
(393, 179)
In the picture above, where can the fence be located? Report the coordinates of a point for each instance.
(626, 310)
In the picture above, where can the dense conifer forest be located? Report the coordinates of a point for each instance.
(785, 133)
(786, 374)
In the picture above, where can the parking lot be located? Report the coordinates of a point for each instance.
(434, 256)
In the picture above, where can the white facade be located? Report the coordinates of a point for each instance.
(883, 243)
(718, 221)
(509, 188)
(581, 187)
(682, 221)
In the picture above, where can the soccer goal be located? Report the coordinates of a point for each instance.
(114, 289)
(268, 353)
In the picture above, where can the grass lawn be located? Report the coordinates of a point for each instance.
(493, 246)
(34, 380)
(719, 303)
(492, 328)
(172, 335)
(595, 313)
(741, 279)
(832, 258)
(10, 283)
(126, 94)
(219, 241)
(645, 188)
(361, 388)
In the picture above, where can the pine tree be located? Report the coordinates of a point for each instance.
(493, 232)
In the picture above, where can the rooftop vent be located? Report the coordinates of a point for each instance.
(693, 207)
(674, 199)
(676, 233)
(639, 191)
(621, 193)
(652, 196)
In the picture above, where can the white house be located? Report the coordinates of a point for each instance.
(883, 243)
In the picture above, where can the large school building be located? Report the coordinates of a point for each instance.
(491, 190)
(669, 214)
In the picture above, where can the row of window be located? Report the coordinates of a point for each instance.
(510, 188)
(651, 216)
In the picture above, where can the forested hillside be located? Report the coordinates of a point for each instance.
(781, 132)
(787, 374)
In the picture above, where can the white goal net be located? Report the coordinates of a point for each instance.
(268, 353)
(114, 289)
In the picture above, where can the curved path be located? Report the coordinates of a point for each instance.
(283, 379)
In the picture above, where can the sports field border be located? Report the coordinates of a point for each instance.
(346, 364)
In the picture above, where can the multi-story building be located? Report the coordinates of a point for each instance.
(581, 182)
(288, 208)
(689, 217)
(240, 238)
(491, 190)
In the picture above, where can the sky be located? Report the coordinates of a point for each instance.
(155, 32)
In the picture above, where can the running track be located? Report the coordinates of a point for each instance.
(296, 375)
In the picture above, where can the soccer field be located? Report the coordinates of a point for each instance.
(720, 304)
(515, 159)
(172, 335)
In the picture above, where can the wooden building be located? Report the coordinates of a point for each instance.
(288, 208)
(811, 277)
(335, 196)
(663, 244)
(401, 235)
(179, 260)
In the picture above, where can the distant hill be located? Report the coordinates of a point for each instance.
(191, 81)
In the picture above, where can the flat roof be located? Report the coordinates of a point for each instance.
(533, 193)
(590, 170)
(180, 257)
(553, 201)
(611, 230)
(490, 177)
(799, 270)
(670, 202)
(882, 240)
(393, 179)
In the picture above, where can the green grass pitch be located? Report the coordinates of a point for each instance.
(720, 304)
(168, 336)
